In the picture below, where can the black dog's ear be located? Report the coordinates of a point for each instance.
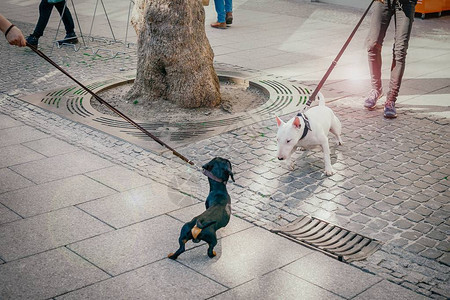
(232, 177)
(230, 172)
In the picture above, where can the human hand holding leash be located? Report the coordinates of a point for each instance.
(13, 35)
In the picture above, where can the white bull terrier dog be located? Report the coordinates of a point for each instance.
(307, 130)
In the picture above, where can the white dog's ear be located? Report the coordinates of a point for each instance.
(296, 122)
(279, 121)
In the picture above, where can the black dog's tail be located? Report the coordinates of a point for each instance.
(203, 226)
(199, 227)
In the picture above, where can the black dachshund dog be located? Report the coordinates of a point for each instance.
(218, 209)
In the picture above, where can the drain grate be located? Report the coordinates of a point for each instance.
(330, 239)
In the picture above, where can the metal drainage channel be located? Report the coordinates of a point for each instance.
(332, 240)
(73, 103)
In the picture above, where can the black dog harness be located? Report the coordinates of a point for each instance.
(213, 177)
(307, 126)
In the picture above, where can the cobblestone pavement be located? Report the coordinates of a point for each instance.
(391, 182)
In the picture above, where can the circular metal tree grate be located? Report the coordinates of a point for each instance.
(74, 103)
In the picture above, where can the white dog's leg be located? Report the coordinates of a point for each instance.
(336, 129)
(326, 158)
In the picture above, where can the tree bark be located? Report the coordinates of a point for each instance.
(175, 59)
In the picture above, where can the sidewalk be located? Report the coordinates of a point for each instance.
(85, 215)
(103, 232)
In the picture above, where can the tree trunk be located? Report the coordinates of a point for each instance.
(175, 59)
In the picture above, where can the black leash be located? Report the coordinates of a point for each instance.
(333, 64)
(115, 110)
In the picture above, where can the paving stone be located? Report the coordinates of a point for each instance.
(431, 253)
(19, 134)
(421, 197)
(240, 251)
(135, 284)
(429, 243)
(365, 202)
(409, 205)
(433, 205)
(10, 181)
(47, 231)
(61, 166)
(437, 235)
(7, 122)
(54, 195)
(371, 212)
(422, 227)
(433, 221)
(388, 216)
(414, 217)
(382, 206)
(415, 248)
(331, 275)
(51, 146)
(275, 284)
(400, 211)
(355, 207)
(411, 235)
(423, 211)
(119, 178)
(7, 215)
(17, 154)
(393, 200)
(399, 242)
(342, 200)
(397, 198)
(445, 259)
(136, 205)
(444, 246)
(378, 224)
(403, 224)
(301, 195)
(47, 275)
(136, 245)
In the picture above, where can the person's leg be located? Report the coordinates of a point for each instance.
(229, 11)
(404, 17)
(228, 5)
(379, 24)
(220, 9)
(45, 10)
(66, 17)
(381, 18)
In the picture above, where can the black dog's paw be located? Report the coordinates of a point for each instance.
(172, 256)
(211, 255)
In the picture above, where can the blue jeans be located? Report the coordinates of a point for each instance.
(222, 7)
(403, 13)
(45, 10)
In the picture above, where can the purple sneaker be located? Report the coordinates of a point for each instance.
(389, 110)
(371, 100)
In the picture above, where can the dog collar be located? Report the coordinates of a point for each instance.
(307, 126)
(212, 176)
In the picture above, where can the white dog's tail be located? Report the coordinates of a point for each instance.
(321, 99)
